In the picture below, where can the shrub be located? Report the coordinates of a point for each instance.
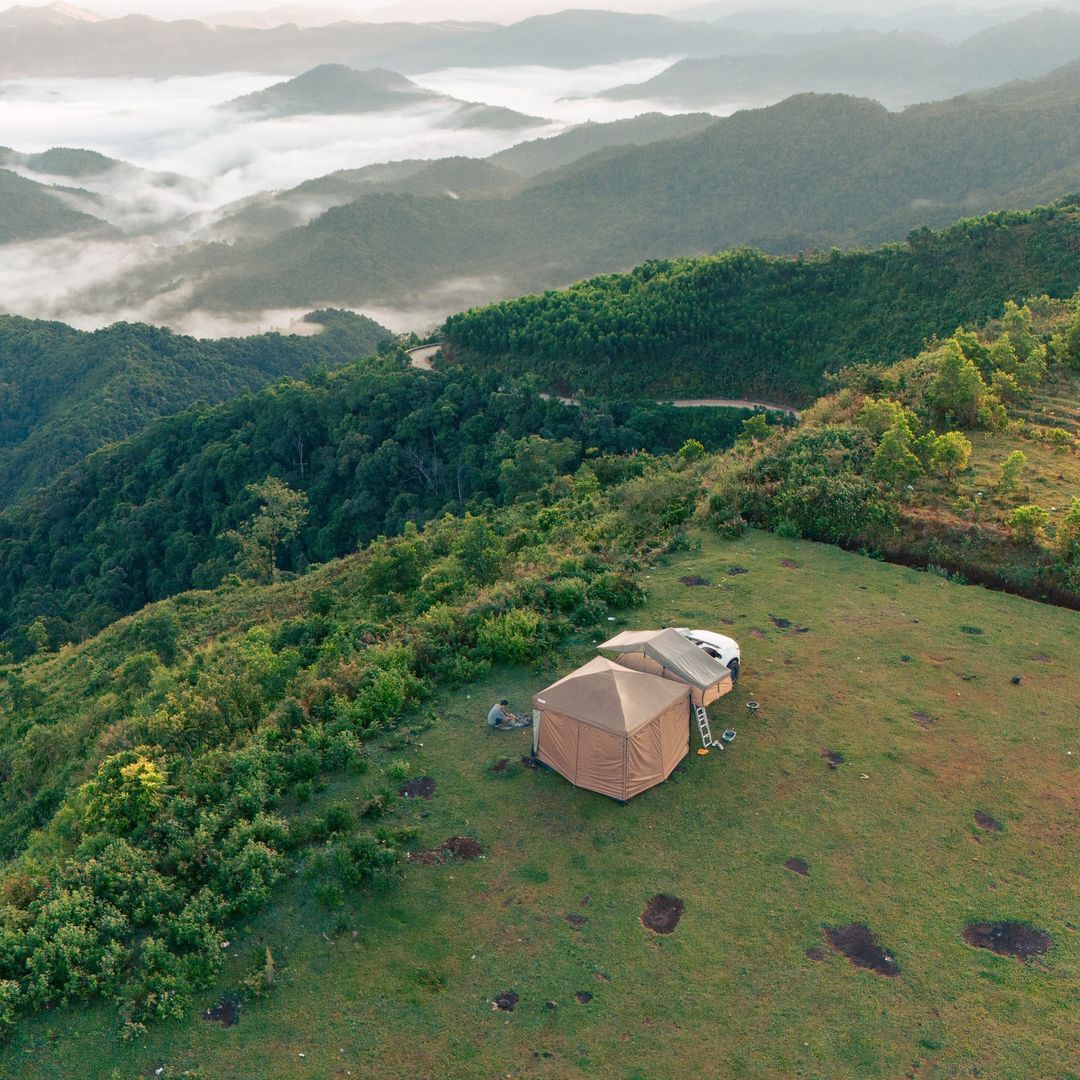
(1012, 469)
(1027, 524)
(510, 638)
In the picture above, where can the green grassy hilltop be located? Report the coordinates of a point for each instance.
(908, 676)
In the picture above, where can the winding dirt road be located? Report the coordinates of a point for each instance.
(421, 359)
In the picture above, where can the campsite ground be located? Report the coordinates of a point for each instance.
(909, 677)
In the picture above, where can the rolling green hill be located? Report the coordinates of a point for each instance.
(64, 393)
(373, 447)
(33, 211)
(745, 324)
(814, 171)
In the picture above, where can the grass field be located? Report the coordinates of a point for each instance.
(401, 985)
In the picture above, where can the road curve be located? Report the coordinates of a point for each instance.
(420, 358)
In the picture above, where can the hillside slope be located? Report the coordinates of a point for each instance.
(33, 211)
(745, 324)
(64, 393)
(927, 729)
(813, 171)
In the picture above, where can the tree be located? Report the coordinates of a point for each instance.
(1017, 324)
(957, 392)
(1012, 469)
(1067, 540)
(894, 463)
(951, 453)
(755, 429)
(1027, 524)
(125, 793)
(877, 415)
(276, 522)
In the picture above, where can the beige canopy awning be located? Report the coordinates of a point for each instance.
(611, 729)
(668, 654)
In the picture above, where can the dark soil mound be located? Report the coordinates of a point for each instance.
(457, 847)
(833, 757)
(780, 624)
(789, 564)
(583, 997)
(859, 945)
(576, 921)
(759, 634)
(506, 1001)
(500, 766)
(662, 914)
(985, 821)
(924, 720)
(797, 866)
(422, 787)
(815, 953)
(1008, 939)
(226, 1012)
(462, 847)
(735, 571)
(692, 581)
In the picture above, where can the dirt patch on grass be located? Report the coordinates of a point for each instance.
(692, 581)
(226, 1012)
(735, 571)
(500, 766)
(421, 787)
(924, 720)
(985, 821)
(457, 847)
(505, 1002)
(462, 847)
(576, 921)
(1008, 939)
(1042, 659)
(815, 954)
(858, 944)
(797, 866)
(662, 914)
(789, 564)
(759, 634)
(833, 757)
(779, 623)
(583, 997)
(531, 762)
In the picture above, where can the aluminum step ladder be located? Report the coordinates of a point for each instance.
(704, 729)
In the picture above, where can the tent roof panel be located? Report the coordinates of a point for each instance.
(674, 652)
(611, 697)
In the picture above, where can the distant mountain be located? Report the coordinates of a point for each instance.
(61, 161)
(814, 171)
(334, 89)
(282, 15)
(33, 211)
(64, 393)
(58, 14)
(531, 158)
(896, 69)
(272, 213)
(141, 46)
(940, 20)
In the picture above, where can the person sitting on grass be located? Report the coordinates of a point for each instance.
(499, 716)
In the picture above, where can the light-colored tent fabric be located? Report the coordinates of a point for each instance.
(671, 656)
(611, 729)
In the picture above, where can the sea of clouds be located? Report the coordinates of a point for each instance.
(190, 162)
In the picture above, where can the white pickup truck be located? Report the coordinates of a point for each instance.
(719, 646)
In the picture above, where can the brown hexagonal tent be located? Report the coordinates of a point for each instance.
(611, 729)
